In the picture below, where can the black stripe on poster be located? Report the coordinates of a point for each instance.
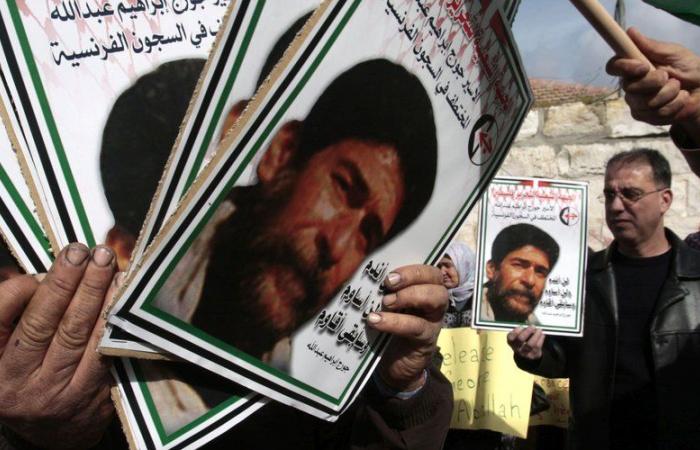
(36, 133)
(131, 399)
(197, 125)
(22, 240)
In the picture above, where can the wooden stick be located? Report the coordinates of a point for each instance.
(609, 30)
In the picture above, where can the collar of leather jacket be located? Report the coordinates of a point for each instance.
(686, 261)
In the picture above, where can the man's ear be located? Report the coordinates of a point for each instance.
(490, 270)
(280, 152)
(666, 200)
(122, 244)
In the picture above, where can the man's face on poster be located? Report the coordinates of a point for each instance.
(312, 225)
(517, 283)
(340, 208)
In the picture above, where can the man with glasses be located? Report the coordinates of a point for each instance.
(634, 373)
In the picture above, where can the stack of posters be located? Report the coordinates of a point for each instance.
(353, 139)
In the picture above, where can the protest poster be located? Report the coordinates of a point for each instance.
(173, 406)
(532, 255)
(66, 63)
(490, 391)
(557, 391)
(312, 351)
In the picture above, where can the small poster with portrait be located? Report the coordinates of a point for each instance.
(532, 256)
(363, 151)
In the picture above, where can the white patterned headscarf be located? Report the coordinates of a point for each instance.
(464, 260)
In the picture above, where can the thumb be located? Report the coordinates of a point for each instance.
(656, 51)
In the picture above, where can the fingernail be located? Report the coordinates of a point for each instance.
(374, 318)
(76, 254)
(389, 300)
(393, 279)
(102, 256)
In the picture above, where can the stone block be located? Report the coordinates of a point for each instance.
(572, 119)
(530, 125)
(530, 161)
(582, 161)
(621, 123)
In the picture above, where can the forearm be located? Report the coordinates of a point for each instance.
(552, 364)
(420, 422)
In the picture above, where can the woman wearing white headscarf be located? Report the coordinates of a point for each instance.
(458, 273)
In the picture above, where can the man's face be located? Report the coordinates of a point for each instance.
(341, 206)
(450, 276)
(634, 223)
(517, 283)
(299, 236)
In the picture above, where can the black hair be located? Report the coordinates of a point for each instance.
(660, 168)
(380, 102)
(139, 135)
(279, 48)
(518, 236)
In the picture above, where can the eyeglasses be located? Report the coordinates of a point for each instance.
(629, 196)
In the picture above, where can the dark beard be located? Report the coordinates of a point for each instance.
(233, 307)
(498, 301)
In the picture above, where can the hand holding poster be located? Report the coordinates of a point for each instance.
(288, 316)
(532, 255)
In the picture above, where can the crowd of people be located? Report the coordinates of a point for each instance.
(633, 374)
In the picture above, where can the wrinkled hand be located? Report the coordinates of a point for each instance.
(527, 342)
(412, 311)
(54, 386)
(669, 94)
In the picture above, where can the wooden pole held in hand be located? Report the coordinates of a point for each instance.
(609, 30)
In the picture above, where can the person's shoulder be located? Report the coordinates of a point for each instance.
(598, 260)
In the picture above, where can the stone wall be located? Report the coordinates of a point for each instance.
(573, 141)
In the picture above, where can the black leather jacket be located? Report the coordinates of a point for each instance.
(590, 362)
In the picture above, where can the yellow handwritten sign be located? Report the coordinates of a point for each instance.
(490, 392)
(557, 391)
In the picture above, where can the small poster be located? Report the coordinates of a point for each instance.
(325, 143)
(532, 255)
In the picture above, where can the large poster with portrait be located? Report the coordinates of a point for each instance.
(532, 255)
(364, 151)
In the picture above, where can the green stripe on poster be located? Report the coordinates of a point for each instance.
(51, 124)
